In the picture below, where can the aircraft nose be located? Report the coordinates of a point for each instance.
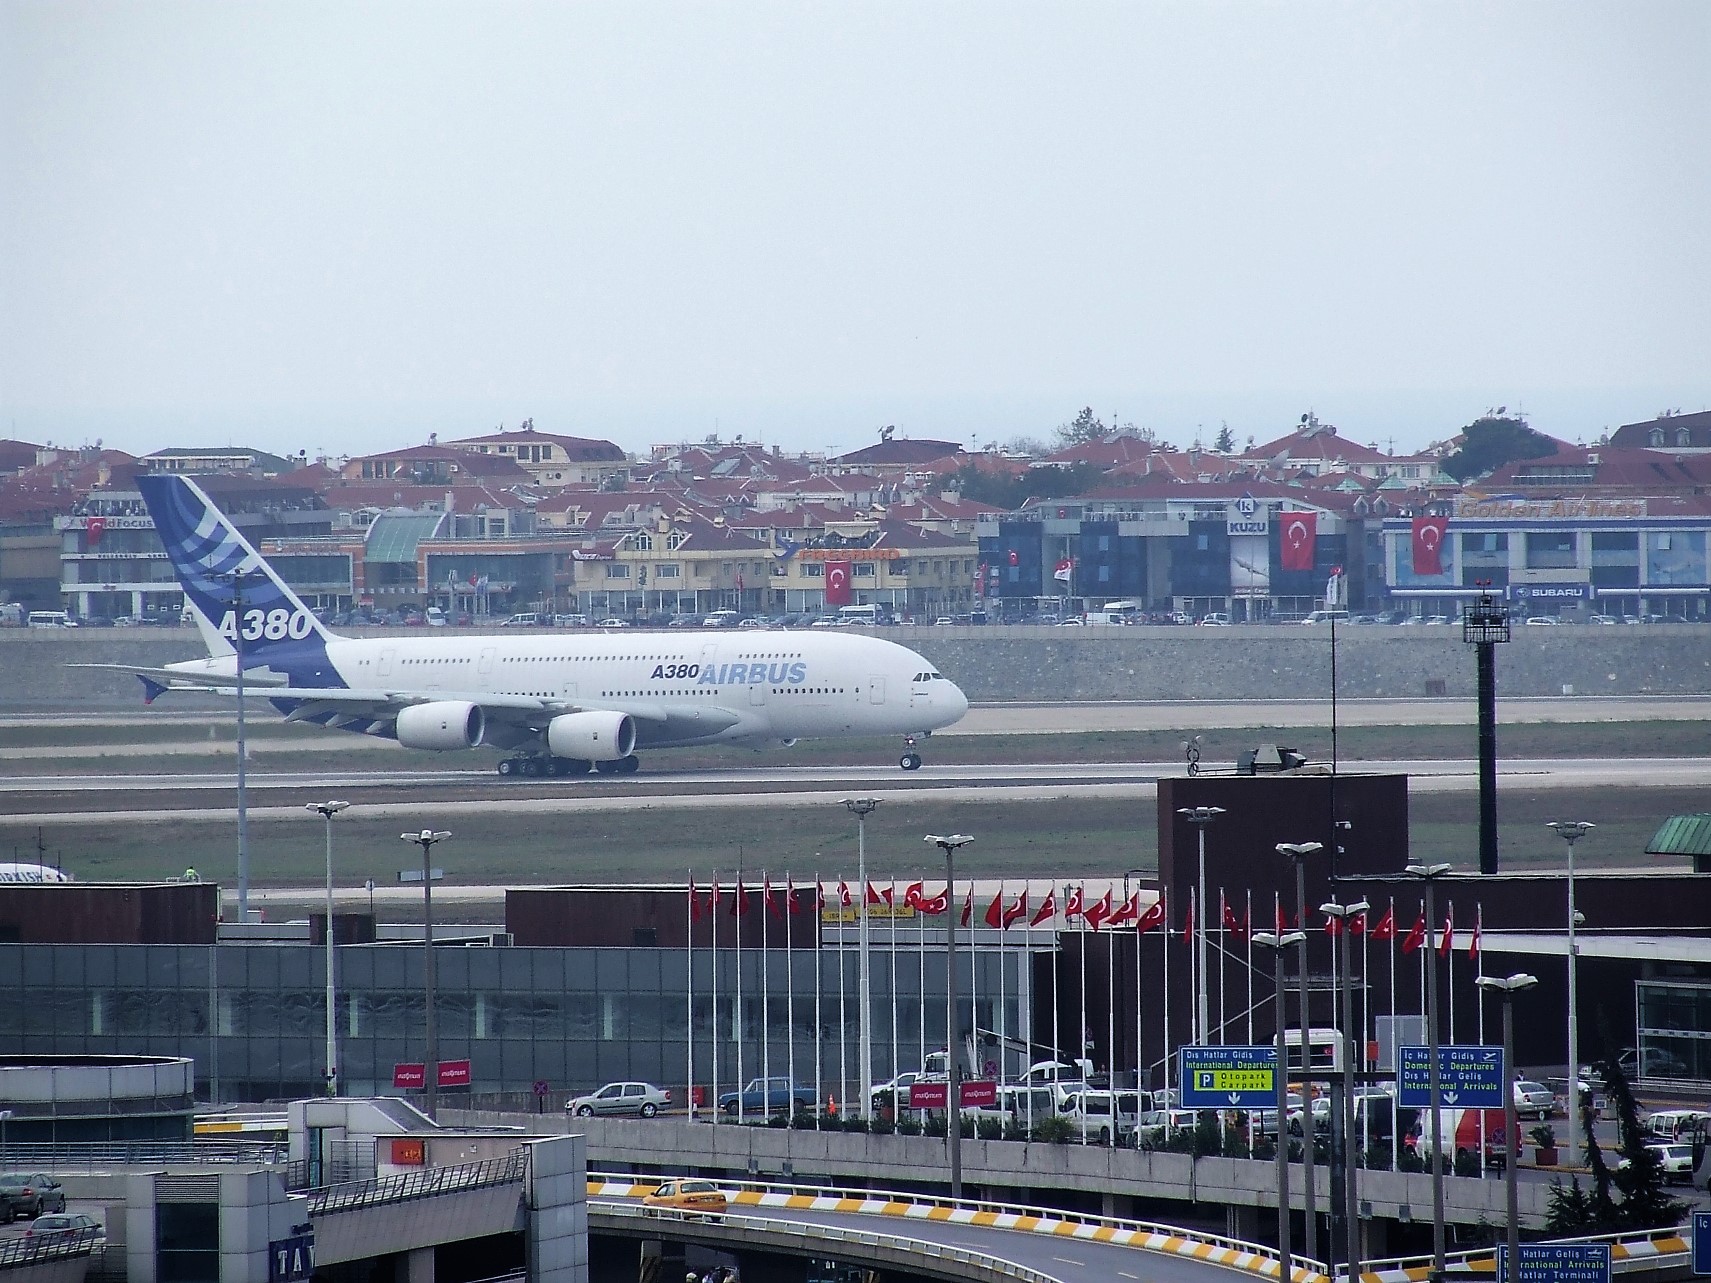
(956, 703)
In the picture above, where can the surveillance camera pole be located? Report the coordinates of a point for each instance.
(426, 839)
(1297, 853)
(1277, 944)
(1571, 831)
(327, 810)
(861, 808)
(1507, 989)
(1429, 874)
(1200, 817)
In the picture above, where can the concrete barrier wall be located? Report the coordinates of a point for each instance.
(996, 663)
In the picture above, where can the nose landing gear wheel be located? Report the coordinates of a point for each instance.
(910, 761)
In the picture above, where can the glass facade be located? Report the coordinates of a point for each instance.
(1674, 1030)
(252, 1016)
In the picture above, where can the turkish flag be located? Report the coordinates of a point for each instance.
(768, 895)
(1416, 935)
(845, 899)
(1098, 912)
(995, 910)
(1047, 911)
(912, 895)
(1231, 924)
(97, 527)
(1300, 530)
(1429, 544)
(938, 904)
(1282, 919)
(1072, 905)
(1153, 917)
(1018, 909)
(1448, 943)
(1127, 912)
(694, 901)
(837, 583)
(1386, 928)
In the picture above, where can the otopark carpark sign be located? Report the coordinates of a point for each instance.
(1468, 1077)
(1228, 1077)
(1558, 1262)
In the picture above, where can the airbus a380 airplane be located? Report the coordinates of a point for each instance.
(555, 704)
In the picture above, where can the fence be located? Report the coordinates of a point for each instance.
(423, 1184)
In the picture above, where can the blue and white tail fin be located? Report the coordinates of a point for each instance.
(234, 593)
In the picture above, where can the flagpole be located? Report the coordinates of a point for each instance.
(1111, 1025)
(843, 1013)
(1139, 1057)
(1057, 957)
(973, 1000)
(1081, 957)
(790, 984)
(1395, 1139)
(1223, 956)
(1164, 1043)
(739, 985)
(689, 1005)
(713, 947)
(1510, 1150)
(921, 960)
(1002, 1023)
(1449, 948)
(765, 1003)
(894, 1066)
(819, 985)
(1250, 943)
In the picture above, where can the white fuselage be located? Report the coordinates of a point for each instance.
(741, 684)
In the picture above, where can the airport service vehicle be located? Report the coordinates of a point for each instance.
(767, 1095)
(555, 704)
(1461, 1134)
(621, 1098)
(688, 1196)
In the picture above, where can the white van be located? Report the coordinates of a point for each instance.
(50, 619)
(1327, 617)
(1094, 1116)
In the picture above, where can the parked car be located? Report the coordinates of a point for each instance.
(32, 1193)
(621, 1098)
(527, 619)
(767, 1095)
(1217, 619)
(63, 1225)
(703, 1197)
(1094, 1116)
(1674, 1160)
(1674, 1124)
(894, 1094)
(1534, 1099)
(1158, 1126)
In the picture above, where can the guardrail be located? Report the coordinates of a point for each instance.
(1652, 1249)
(919, 1248)
(421, 1184)
(28, 1251)
(91, 1156)
(1146, 1235)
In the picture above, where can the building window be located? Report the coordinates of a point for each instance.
(814, 570)
(642, 543)
(668, 570)
(617, 570)
(675, 540)
(1550, 549)
(862, 570)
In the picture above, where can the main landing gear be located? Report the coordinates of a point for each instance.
(554, 767)
(911, 760)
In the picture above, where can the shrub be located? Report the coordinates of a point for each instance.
(989, 1129)
(1053, 1130)
(882, 1126)
(1544, 1136)
(803, 1120)
(852, 1123)
(1409, 1161)
(1376, 1158)
(779, 1121)
(1014, 1130)
(934, 1126)
(1467, 1163)
(908, 1126)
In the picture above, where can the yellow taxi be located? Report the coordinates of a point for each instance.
(688, 1196)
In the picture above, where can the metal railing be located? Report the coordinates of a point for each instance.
(1050, 1214)
(886, 1241)
(93, 1156)
(426, 1183)
(27, 1251)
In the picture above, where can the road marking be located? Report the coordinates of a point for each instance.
(1064, 1260)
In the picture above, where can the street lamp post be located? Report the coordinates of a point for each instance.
(1297, 853)
(953, 1069)
(237, 577)
(1507, 989)
(1429, 874)
(426, 839)
(861, 808)
(327, 810)
(1277, 944)
(1200, 817)
(1344, 914)
(1571, 831)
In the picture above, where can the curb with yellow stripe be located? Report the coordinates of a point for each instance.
(1638, 1251)
(1021, 1222)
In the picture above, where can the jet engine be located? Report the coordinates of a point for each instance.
(592, 736)
(444, 724)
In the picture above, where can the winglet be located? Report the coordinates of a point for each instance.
(152, 689)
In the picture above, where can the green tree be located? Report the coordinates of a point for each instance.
(1637, 1177)
(1009, 493)
(1493, 440)
(1226, 442)
(1080, 430)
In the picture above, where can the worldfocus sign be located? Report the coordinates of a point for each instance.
(1558, 1262)
(1702, 1242)
(1229, 1077)
(1468, 1077)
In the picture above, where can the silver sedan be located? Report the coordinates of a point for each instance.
(621, 1098)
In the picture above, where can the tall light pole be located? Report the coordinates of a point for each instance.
(861, 808)
(953, 1067)
(1571, 831)
(1343, 943)
(1297, 853)
(1429, 874)
(327, 810)
(1507, 989)
(426, 839)
(237, 577)
(1277, 944)
(1200, 817)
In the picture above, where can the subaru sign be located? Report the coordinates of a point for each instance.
(1468, 1078)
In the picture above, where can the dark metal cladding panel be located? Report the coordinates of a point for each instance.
(109, 913)
(624, 918)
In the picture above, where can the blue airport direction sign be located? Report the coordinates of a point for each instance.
(1702, 1242)
(1229, 1077)
(1468, 1077)
(1558, 1262)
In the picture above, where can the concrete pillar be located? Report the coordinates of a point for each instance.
(1242, 1223)
(419, 1265)
(555, 1191)
(1108, 1204)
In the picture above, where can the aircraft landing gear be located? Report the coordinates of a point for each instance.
(536, 767)
(623, 766)
(561, 766)
(911, 760)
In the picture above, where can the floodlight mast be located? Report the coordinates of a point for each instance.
(953, 1069)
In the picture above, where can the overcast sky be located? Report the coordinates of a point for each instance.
(339, 227)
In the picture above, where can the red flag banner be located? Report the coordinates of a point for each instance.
(1333, 926)
(1047, 910)
(1448, 943)
(995, 910)
(694, 901)
(1072, 905)
(772, 905)
(968, 907)
(1282, 920)
(837, 583)
(1231, 924)
(1097, 914)
(937, 905)
(1017, 910)
(1473, 944)
(1129, 912)
(912, 897)
(1416, 935)
(1357, 924)
(1300, 533)
(97, 527)
(1428, 544)
(1188, 921)
(790, 895)
(1386, 927)
(1152, 919)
